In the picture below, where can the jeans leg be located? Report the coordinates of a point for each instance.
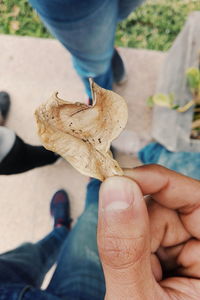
(127, 6)
(29, 263)
(87, 30)
(187, 163)
(92, 193)
(79, 274)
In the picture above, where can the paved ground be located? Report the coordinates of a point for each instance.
(30, 70)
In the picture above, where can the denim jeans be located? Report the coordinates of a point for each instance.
(78, 274)
(187, 163)
(87, 29)
(27, 265)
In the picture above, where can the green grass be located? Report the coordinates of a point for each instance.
(156, 24)
(17, 17)
(152, 26)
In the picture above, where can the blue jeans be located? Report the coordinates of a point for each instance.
(78, 274)
(25, 267)
(87, 29)
(187, 163)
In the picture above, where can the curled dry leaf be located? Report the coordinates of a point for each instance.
(81, 133)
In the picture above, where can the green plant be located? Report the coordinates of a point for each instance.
(193, 80)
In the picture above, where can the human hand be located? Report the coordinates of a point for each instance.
(150, 249)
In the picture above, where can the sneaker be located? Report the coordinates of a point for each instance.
(60, 209)
(118, 68)
(4, 106)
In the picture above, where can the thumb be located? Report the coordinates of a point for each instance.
(123, 240)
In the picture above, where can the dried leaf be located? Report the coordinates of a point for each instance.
(82, 134)
(15, 11)
(14, 26)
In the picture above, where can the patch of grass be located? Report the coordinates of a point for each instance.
(17, 17)
(154, 25)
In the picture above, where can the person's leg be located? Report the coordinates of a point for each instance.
(187, 163)
(92, 193)
(16, 156)
(127, 6)
(87, 30)
(7, 136)
(79, 274)
(4, 106)
(7, 140)
(29, 263)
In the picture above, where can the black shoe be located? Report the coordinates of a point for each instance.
(118, 68)
(4, 105)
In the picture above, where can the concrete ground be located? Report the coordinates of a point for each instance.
(30, 70)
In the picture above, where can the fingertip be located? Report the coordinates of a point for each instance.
(118, 192)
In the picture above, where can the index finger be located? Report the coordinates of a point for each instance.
(167, 187)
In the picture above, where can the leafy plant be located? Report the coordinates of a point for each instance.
(168, 101)
(193, 78)
(162, 100)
